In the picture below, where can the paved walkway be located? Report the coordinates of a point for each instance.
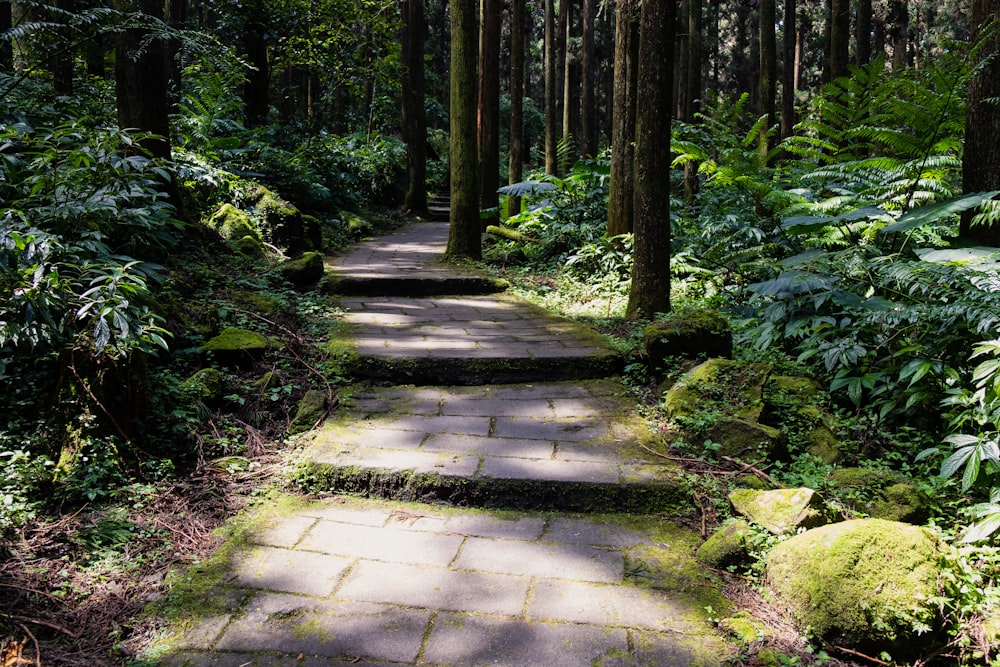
(397, 582)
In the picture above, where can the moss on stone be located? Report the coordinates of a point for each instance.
(699, 333)
(236, 347)
(282, 221)
(726, 546)
(248, 246)
(205, 385)
(781, 511)
(734, 388)
(742, 438)
(304, 271)
(311, 409)
(865, 583)
(233, 223)
(257, 302)
(744, 628)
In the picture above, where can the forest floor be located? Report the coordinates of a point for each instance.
(328, 579)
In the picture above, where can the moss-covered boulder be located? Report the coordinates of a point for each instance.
(233, 223)
(248, 246)
(258, 302)
(311, 409)
(734, 388)
(866, 584)
(745, 439)
(281, 221)
(700, 333)
(206, 386)
(781, 511)
(236, 347)
(882, 494)
(727, 546)
(312, 231)
(304, 271)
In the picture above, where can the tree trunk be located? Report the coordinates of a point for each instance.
(413, 117)
(175, 12)
(255, 90)
(623, 119)
(141, 78)
(489, 105)
(567, 105)
(840, 36)
(588, 105)
(788, 40)
(551, 131)
(464, 233)
(516, 132)
(864, 33)
(650, 289)
(899, 30)
(682, 57)
(981, 160)
(62, 54)
(768, 61)
(696, 54)
(6, 52)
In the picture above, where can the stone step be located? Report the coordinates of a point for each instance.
(555, 446)
(468, 340)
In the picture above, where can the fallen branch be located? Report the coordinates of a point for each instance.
(47, 624)
(858, 654)
(747, 467)
(38, 651)
(511, 235)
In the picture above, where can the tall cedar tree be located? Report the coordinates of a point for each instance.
(489, 103)
(412, 114)
(588, 65)
(255, 89)
(863, 28)
(464, 232)
(981, 160)
(840, 37)
(768, 61)
(551, 85)
(650, 290)
(141, 78)
(516, 157)
(623, 118)
(788, 71)
(6, 52)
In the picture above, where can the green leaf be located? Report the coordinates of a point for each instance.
(983, 529)
(934, 212)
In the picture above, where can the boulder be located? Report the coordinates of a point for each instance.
(726, 547)
(865, 584)
(883, 495)
(233, 223)
(249, 246)
(312, 408)
(742, 438)
(700, 333)
(236, 347)
(282, 221)
(734, 388)
(781, 511)
(205, 386)
(304, 271)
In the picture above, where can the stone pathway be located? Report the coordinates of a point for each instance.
(392, 580)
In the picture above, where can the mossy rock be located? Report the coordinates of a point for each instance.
(734, 388)
(744, 628)
(312, 232)
(796, 387)
(357, 226)
(206, 386)
(304, 271)
(883, 495)
(233, 223)
(745, 439)
(236, 347)
(257, 302)
(864, 584)
(282, 221)
(781, 511)
(311, 409)
(248, 246)
(700, 333)
(727, 546)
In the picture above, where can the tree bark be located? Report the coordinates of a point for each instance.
(899, 30)
(588, 105)
(623, 119)
(567, 98)
(413, 117)
(464, 232)
(840, 36)
(62, 56)
(864, 33)
(768, 61)
(682, 58)
(489, 105)
(788, 40)
(551, 130)
(141, 78)
(255, 90)
(650, 289)
(981, 160)
(6, 52)
(516, 131)
(696, 54)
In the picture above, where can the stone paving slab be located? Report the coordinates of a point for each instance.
(518, 590)
(585, 433)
